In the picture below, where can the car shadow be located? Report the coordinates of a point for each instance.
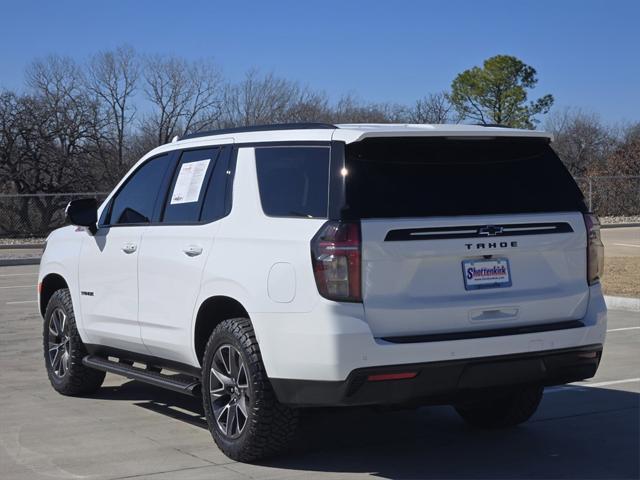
(577, 433)
(172, 404)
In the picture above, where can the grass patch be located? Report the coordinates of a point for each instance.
(622, 276)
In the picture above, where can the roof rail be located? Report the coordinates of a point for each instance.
(261, 128)
(495, 125)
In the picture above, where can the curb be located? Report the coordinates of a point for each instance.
(11, 262)
(26, 246)
(622, 303)
(619, 225)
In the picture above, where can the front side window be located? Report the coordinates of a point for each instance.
(293, 181)
(135, 201)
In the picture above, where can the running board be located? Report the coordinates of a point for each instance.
(178, 383)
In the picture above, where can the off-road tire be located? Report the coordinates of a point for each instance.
(77, 379)
(506, 411)
(270, 426)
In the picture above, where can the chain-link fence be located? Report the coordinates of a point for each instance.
(35, 215)
(612, 195)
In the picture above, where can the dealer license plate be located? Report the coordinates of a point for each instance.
(492, 273)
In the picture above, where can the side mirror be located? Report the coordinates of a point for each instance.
(83, 213)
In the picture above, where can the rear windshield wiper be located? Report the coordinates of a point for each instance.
(300, 214)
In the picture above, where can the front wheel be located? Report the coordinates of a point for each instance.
(64, 350)
(244, 416)
(505, 411)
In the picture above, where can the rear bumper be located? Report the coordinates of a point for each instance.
(443, 382)
(331, 342)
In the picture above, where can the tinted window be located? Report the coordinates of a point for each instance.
(214, 201)
(187, 189)
(431, 177)
(134, 203)
(293, 181)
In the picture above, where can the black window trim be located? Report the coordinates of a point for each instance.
(295, 144)
(337, 181)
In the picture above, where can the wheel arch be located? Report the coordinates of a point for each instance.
(211, 313)
(51, 283)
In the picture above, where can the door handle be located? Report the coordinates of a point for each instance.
(129, 247)
(192, 250)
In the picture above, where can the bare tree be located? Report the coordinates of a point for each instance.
(309, 106)
(58, 79)
(350, 109)
(261, 99)
(625, 158)
(185, 96)
(434, 108)
(581, 140)
(43, 148)
(266, 98)
(62, 116)
(112, 79)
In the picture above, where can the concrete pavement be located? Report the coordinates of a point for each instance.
(621, 242)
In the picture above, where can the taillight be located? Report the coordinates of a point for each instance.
(381, 377)
(336, 258)
(595, 249)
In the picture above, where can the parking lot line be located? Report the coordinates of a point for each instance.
(20, 286)
(23, 301)
(577, 387)
(611, 382)
(627, 245)
(623, 329)
(18, 274)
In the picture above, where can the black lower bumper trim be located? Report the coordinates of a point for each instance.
(444, 382)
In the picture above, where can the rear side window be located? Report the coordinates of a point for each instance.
(134, 203)
(293, 181)
(215, 200)
(410, 177)
(189, 184)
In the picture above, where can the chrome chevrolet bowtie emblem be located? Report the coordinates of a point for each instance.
(490, 230)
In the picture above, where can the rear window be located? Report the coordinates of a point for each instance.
(293, 181)
(411, 177)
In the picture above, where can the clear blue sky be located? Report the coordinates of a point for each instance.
(587, 52)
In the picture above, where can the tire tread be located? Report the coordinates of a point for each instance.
(272, 425)
(80, 380)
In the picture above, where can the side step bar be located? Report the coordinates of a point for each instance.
(178, 383)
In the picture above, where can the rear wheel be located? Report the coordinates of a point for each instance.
(504, 411)
(245, 419)
(64, 350)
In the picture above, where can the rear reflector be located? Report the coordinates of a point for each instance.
(588, 355)
(381, 377)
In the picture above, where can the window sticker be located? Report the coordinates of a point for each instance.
(189, 182)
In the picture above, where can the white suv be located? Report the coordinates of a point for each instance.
(286, 266)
